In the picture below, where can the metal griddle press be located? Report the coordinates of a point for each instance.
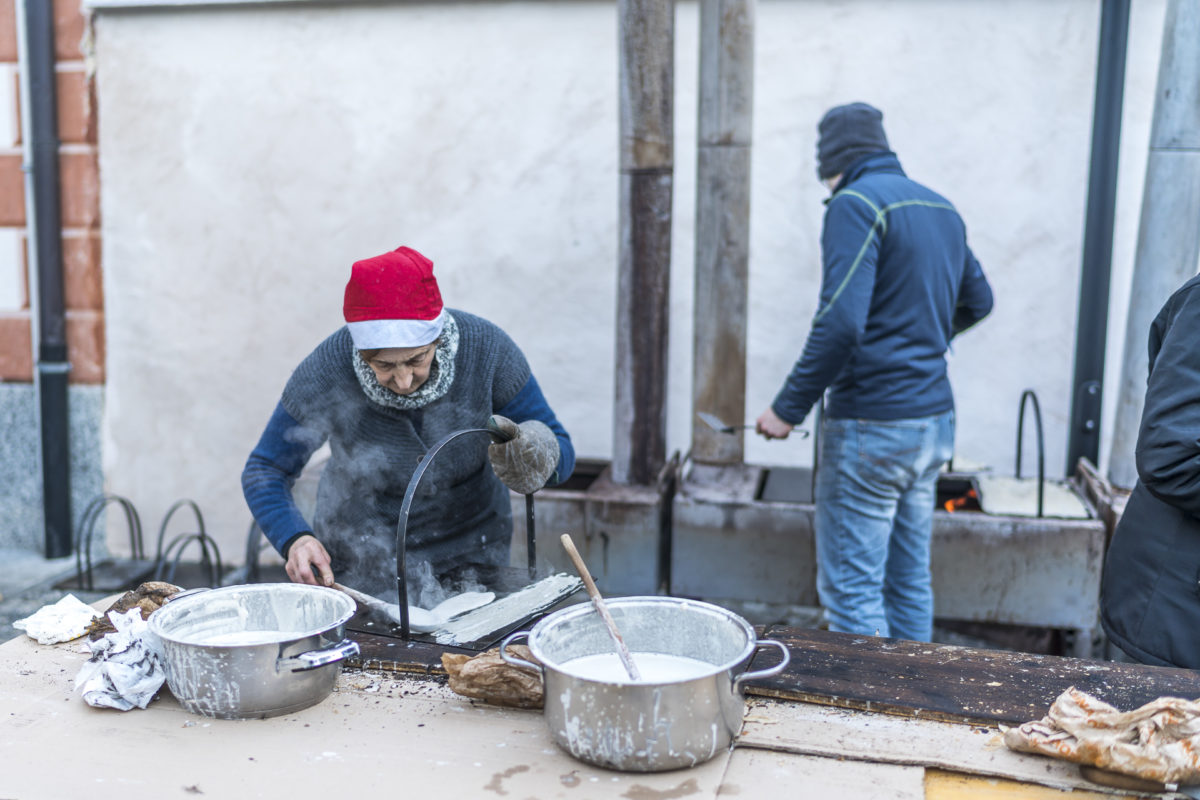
(502, 580)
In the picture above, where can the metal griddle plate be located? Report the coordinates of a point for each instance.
(502, 580)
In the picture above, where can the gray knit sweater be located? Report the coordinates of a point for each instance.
(461, 510)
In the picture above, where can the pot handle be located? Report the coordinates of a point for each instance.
(519, 663)
(769, 671)
(318, 658)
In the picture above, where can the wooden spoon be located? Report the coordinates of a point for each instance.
(601, 609)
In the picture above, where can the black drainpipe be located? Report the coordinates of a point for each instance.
(45, 225)
(1091, 333)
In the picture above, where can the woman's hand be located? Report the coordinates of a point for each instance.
(306, 560)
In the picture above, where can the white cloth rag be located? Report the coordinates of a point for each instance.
(126, 667)
(1160, 741)
(63, 621)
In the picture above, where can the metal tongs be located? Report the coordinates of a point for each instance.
(714, 422)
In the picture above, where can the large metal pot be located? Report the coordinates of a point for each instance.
(246, 652)
(645, 726)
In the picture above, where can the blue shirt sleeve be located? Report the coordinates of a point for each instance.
(849, 253)
(272, 468)
(529, 404)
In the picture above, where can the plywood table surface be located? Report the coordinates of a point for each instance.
(395, 731)
(378, 734)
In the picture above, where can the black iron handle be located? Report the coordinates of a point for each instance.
(87, 531)
(402, 523)
(818, 421)
(498, 434)
(162, 530)
(1028, 394)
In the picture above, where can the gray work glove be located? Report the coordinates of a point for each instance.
(527, 460)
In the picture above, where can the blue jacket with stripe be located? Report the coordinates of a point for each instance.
(898, 282)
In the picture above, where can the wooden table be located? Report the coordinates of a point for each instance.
(954, 684)
(378, 725)
(943, 682)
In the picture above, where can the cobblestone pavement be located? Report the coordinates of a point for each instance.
(25, 603)
(27, 583)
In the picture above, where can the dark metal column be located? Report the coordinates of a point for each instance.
(1092, 328)
(646, 85)
(44, 222)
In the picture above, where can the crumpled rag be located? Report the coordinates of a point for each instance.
(63, 621)
(1159, 741)
(126, 667)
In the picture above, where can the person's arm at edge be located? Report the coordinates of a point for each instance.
(1168, 446)
(529, 403)
(268, 476)
(974, 296)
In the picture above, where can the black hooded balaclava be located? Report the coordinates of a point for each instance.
(847, 133)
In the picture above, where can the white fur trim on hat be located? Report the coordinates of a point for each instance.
(378, 334)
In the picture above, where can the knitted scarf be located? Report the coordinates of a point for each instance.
(441, 374)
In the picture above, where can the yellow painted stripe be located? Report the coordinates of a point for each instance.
(943, 785)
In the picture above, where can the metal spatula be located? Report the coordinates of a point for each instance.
(714, 422)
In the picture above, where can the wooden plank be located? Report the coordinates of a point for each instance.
(956, 684)
(859, 737)
(646, 86)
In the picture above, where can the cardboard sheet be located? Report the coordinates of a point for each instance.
(806, 729)
(1007, 496)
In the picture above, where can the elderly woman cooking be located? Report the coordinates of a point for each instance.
(403, 373)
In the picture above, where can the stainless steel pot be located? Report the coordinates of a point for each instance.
(246, 652)
(645, 727)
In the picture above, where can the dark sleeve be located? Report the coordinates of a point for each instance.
(529, 404)
(849, 253)
(1168, 447)
(270, 472)
(974, 296)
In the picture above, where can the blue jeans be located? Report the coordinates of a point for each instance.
(876, 488)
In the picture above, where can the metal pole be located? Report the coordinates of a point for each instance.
(722, 225)
(1168, 245)
(1092, 328)
(40, 132)
(646, 85)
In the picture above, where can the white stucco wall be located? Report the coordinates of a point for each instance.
(249, 155)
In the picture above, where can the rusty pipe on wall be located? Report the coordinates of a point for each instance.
(722, 224)
(646, 85)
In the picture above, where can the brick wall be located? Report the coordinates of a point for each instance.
(80, 188)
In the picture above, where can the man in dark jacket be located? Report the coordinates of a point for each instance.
(1150, 591)
(898, 282)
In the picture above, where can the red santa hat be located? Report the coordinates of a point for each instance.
(393, 300)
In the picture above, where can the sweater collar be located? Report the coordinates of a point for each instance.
(441, 374)
(883, 161)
